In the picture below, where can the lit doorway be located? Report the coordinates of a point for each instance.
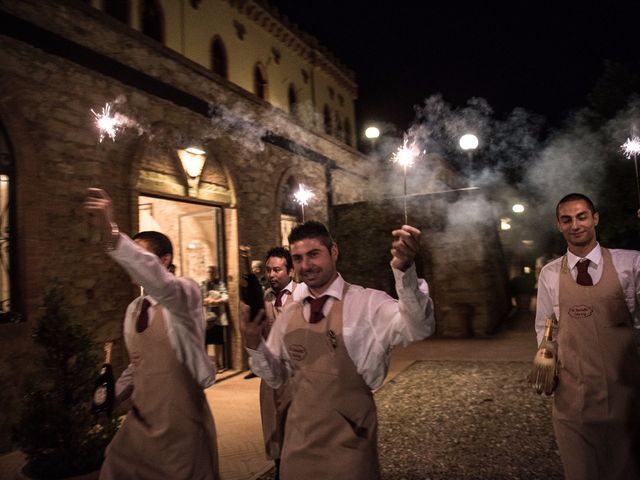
(195, 230)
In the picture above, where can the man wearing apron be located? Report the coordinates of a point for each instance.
(331, 347)
(274, 402)
(169, 432)
(593, 292)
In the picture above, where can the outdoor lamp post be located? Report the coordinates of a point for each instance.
(372, 133)
(192, 160)
(468, 143)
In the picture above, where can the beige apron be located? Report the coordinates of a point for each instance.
(331, 429)
(595, 408)
(169, 432)
(274, 403)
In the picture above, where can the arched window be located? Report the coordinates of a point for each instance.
(260, 84)
(328, 123)
(117, 9)
(152, 19)
(347, 132)
(8, 281)
(293, 100)
(219, 57)
(339, 131)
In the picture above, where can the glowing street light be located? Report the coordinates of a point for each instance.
(468, 142)
(372, 133)
(518, 208)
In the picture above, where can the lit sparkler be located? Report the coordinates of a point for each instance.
(631, 148)
(405, 156)
(107, 123)
(302, 196)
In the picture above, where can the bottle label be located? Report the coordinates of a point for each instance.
(100, 395)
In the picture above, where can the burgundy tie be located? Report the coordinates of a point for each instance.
(316, 308)
(279, 295)
(583, 277)
(143, 319)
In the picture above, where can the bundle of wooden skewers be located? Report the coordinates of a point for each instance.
(544, 374)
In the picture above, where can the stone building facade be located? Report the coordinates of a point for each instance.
(61, 59)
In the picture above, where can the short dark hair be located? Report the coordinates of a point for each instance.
(311, 229)
(280, 252)
(575, 197)
(159, 242)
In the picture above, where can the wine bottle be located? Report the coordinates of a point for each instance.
(104, 392)
(544, 374)
(251, 292)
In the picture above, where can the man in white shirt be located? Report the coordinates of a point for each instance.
(331, 346)
(169, 432)
(593, 292)
(274, 402)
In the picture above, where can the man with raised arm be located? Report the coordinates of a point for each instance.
(169, 432)
(331, 346)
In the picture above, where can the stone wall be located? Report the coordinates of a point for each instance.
(461, 260)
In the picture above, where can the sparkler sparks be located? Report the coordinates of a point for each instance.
(631, 148)
(405, 157)
(302, 196)
(106, 123)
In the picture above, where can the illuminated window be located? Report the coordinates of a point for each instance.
(260, 85)
(219, 57)
(8, 283)
(152, 19)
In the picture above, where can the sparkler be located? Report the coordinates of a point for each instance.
(405, 156)
(302, 196)
(107, 124)
(631, 148)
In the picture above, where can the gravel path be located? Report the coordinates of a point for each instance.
(464, 420)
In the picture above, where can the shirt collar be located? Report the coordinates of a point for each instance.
(334, 290)
(594, 255)
(288, 289)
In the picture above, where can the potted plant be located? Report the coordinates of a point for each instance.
(56, 431)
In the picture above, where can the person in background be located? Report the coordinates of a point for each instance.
(257, 268)
(331, 347)
(169, 432)
(215, 300)
(274, 402)
(594, 293)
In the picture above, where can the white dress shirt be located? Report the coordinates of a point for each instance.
(372, 323)
(182, 313)
(285, 296)
(626, 264)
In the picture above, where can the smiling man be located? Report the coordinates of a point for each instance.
(594, 293)
(331, 347)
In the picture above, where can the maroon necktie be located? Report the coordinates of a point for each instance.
(143, 319)
(279, 295)
(316, 308)
(583, 277)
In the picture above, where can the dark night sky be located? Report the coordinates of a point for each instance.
(543, 56)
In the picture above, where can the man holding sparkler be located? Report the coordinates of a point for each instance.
(331, 346)
(169, 432)
(594, 292)
(274, 403)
